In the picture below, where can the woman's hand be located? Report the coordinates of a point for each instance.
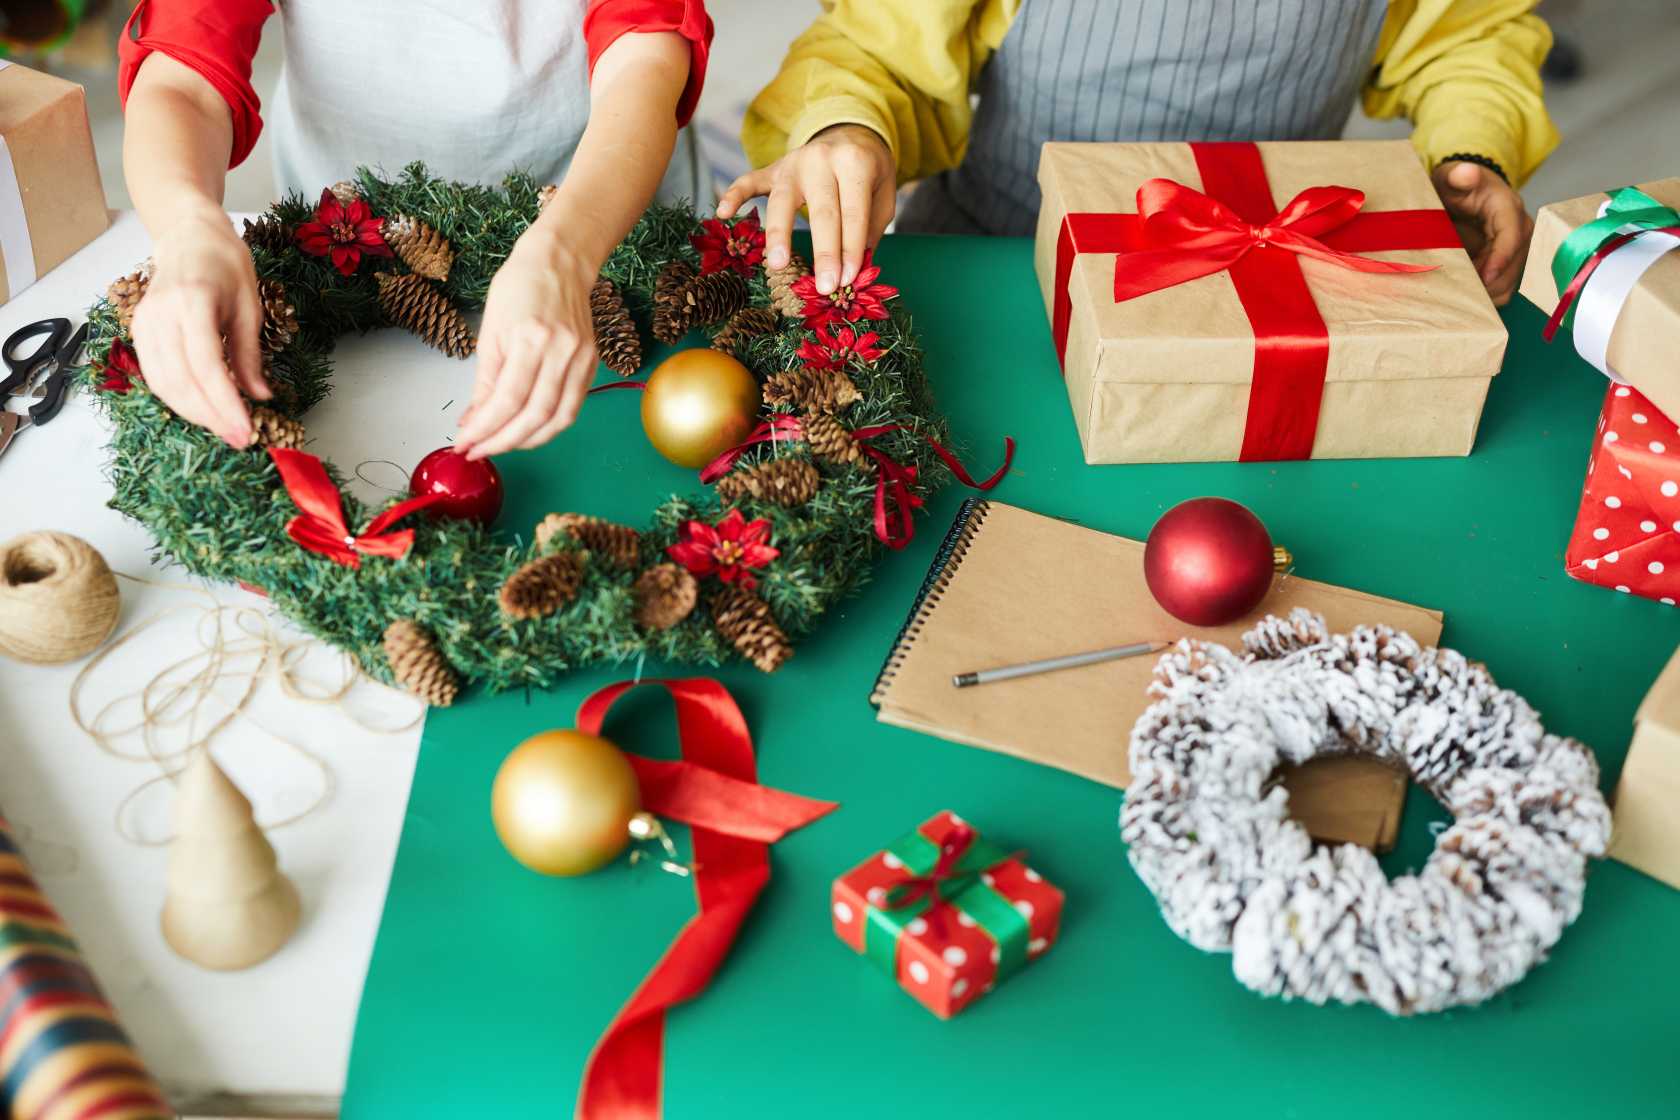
(203, 291)
(844, 177)
(536, 349)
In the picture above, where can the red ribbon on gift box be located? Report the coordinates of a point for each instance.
(1233, 225)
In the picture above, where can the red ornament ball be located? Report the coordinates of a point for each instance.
(1208, 561)
(472, 488)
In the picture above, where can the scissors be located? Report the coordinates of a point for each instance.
(52, 359)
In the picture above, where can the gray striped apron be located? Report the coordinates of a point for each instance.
(1145, 70)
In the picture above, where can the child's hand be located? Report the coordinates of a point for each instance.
(845, 177)
(1491, 222)
(203, 289)
(536, 349)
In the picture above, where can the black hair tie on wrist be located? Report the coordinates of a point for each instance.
(1480, 161)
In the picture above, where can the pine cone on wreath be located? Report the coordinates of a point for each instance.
(812, 390)
(665, 594)
(744, 324)
(268, 233)
(714, 297)
(671, 316)
(410, 301)
(830, 440)
(279, 321)
(782, 280)
(541, 586)
(786, 482)
(346, 191)
(273, 429)
(618, 544)
(417, 665)
(423, 249)
(745, 620)
(126, 292)
(616, 338)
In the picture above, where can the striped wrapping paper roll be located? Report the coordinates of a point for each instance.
(63, 1056)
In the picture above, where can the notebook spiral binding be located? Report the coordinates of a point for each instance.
(945, 563)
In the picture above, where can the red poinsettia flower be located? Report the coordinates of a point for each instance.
(833, 351)
(738, 245)
(122, 368)
(730, 550)
(343, 233)
(863, 298)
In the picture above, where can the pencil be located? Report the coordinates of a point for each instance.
(1051, 664)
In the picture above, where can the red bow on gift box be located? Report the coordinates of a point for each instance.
(320, 526)
(1233, 225)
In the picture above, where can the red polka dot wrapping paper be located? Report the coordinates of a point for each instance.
(1627, 534)
(943, 956)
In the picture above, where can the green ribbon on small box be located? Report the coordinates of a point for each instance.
(949, 872)
(1631, 212)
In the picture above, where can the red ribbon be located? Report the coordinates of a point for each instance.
(321, 528)
(779, 427)
(1179, 234)
(913, 888)
(714, 789)
(895, 505)
(1573, 292)
(611, 385)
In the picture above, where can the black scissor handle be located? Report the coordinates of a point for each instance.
(53, 390)
(56, 331)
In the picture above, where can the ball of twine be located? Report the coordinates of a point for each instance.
(58, 598)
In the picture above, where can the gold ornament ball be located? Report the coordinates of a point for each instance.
(698, 404)
(563, 801)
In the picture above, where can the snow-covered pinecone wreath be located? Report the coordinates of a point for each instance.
(1209, 831)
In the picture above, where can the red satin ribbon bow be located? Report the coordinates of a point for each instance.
(1234, 225)
(779, 427)
(714, 789)
(320, 526)
(895, 505)
(914, 888)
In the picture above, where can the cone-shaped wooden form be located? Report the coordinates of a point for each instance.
(228, 906)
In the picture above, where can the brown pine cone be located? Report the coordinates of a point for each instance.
(745, 620)
(714, 297)
(346, 191)
(829, 439)
(410, 301)
(545, 195)
(665, 595)
(618, 544)
(786, 482)
(279, 322)
(273, 429)
(423, 249)
(268, 233)
(671, 315)
(744, 324)
(126, 292)
(417, 665)
(616, 338)
(812, 390)
(541, 586)
(782, 280)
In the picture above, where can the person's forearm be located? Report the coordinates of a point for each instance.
(625, 148)
(176, 140)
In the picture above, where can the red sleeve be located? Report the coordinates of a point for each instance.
(217, 38)
(608, 19)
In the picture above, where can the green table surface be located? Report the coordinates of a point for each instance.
(489, 984)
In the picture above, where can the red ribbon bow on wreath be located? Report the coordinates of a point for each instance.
(321, 527)
(895, 505)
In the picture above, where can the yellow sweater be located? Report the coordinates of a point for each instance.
(1466, 72)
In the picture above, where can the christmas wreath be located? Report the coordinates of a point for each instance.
(849, 447)
(1210, 834)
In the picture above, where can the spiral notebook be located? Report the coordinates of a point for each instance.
(1009, 585)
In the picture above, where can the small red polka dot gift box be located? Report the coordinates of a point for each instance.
(1627, 535)
(947, 913)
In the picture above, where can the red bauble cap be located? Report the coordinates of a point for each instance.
(472, 487)
(1208, 561)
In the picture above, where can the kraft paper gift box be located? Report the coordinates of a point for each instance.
(1625, 320)
(51, 200)
(946, 913)
(1647, 804)
(1627, 532)
(1281, 354)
